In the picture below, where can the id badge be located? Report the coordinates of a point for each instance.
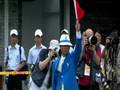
(87, 70)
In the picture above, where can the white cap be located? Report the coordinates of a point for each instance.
(65, 30)
(65, 40)
(54, 44)
(13, 31)
(38, 32)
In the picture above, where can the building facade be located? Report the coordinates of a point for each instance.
(28, 15)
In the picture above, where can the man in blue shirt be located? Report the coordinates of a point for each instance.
(65, 65)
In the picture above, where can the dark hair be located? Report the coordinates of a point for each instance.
(114, 34)
(98, 31)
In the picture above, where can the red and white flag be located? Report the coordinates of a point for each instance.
(79, 12)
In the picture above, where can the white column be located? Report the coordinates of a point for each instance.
(6, 22)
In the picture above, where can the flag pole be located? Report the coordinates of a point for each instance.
(75, 9)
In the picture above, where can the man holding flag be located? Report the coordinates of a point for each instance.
(65, 65)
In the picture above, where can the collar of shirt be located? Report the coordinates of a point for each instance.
(60, 63)
(38, 47)
(16, 46)
(41, 46)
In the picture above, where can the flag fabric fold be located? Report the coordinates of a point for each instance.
(79, 12)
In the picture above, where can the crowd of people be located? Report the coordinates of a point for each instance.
(87, 65)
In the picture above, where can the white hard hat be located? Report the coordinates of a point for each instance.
(38, 32)
(65, 30)
(54, 44)
(13, 32)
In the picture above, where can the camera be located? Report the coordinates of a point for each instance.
(101, 79)
(92, 40)
(105, 84)
(111, 42)
(55, 53)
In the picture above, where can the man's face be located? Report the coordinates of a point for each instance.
(98, 36)
(13, 39)
(38, 39)
(64, 49)
(84, 37)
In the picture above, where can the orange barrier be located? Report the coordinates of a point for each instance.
(15, 73)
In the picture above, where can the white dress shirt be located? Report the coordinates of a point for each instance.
(14, 56)
(60, 63)
(33, 54)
